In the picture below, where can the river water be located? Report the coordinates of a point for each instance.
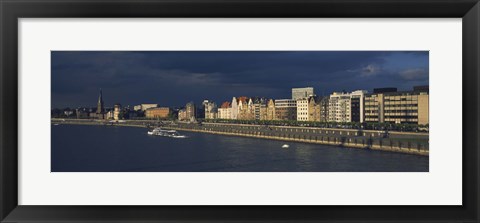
(77, 148)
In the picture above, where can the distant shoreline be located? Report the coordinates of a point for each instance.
(98, 124)
(402, 142)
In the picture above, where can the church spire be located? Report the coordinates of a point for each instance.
(100, 108)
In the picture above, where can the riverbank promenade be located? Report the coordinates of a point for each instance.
(402, 142)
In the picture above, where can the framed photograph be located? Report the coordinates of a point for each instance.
(328, 111)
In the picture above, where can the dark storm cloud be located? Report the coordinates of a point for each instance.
(414, 74)
(174, 78)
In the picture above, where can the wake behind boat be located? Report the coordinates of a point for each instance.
(167, 133)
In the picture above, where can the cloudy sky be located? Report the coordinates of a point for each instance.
(172, 78)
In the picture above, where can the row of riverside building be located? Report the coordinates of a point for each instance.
(151, 111)
(384, 105)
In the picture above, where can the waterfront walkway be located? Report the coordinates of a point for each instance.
(403, 142)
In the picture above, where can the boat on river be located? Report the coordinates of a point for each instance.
(167, 133)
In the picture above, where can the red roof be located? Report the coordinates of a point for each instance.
(242, 99)
(225, 104)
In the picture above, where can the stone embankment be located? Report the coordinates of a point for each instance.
(403, 142)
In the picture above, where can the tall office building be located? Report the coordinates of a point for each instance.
(210, 109)
(346, 107)
(303, 109)
(298, 93)
(190, 111)
(339, 107)
(410, 107)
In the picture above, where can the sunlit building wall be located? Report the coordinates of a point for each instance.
(408, 107)
(298, 93)
(225, 111)
(162, 112)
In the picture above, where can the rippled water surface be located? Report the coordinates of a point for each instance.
(77, 148)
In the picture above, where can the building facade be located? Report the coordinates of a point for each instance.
(108, 114)
(234, 108)
(190, 112)
(157, 113)
(357, 106)
(225, 111)
(210, 109)
(298, 93)
(319, 106)
(242, 108)
(246, 108)
(271, 110)
(137, 107)
(260, 108)
(404, 107)
(82, 113)
(303, 109)
(285, 109)
(182, 115)
(117, 112)
(346, 107)
(144, 107)
(339, 107)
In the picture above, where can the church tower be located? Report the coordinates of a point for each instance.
(100, 109)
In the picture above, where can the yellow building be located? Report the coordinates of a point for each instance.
(225, 111)
(303, 109)
(117, 112)
(161, 112)
(182, 115)
(271, 110)
(246, 109)
(410, 107)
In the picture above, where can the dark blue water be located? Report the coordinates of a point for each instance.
(77, 148)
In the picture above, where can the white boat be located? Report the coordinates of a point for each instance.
(167, 133)
(285, 146)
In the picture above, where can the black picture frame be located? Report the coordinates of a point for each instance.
(12, 10)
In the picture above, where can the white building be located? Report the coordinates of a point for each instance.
(299, 93)
(302, 109)
(234, 108)
(144, 107)
(225, 111)
(346, 107)
(339, 107)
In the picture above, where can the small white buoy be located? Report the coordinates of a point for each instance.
(285, 146)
